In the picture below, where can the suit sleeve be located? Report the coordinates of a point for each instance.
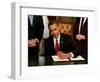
(38, 27)
(46, 49)
(73, 47)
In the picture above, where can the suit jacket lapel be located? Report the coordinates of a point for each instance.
(29, 24)
(52, 44)
(34, 21)
(61, 41)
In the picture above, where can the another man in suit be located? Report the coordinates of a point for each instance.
(81, 35)
(35, 33)
(59, 44)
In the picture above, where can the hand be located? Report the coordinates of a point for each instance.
(80, 37)
(32, 42)
(62, 55)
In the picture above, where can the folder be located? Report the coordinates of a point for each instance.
(56, 58)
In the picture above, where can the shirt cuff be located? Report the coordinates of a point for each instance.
(72, 55)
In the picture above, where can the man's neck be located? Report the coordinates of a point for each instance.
(57, 36)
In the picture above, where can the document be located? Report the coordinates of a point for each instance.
(77, 58)
(56, 58)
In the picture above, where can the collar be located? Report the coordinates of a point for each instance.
(58, 37)
(54, 39)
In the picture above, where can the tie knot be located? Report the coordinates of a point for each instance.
(56, 39)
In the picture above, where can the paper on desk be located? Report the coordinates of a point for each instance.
(56, 58)
(77, 58)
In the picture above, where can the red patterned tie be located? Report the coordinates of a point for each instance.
(57, 47)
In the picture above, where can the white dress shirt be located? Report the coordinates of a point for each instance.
(46, 30)
(81, 23)
(31, 19)
(54, 40)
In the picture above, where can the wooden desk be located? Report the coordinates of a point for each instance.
(48, 61)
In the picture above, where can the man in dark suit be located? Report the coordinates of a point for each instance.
(59, 44)
(35, 33)
(81, 35)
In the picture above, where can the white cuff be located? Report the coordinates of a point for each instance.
(72, 55)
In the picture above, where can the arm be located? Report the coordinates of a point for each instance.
(33, 42)
(74, 49)
(69, 48)
(46, 48)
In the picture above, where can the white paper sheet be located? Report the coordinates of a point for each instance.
(56, 58)
(77, 58)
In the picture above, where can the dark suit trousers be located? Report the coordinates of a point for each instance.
(33, 54)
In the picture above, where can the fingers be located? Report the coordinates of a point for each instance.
(80, 37)
(33, 42)
(59, 52)
(31, 45)
(62, 55)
